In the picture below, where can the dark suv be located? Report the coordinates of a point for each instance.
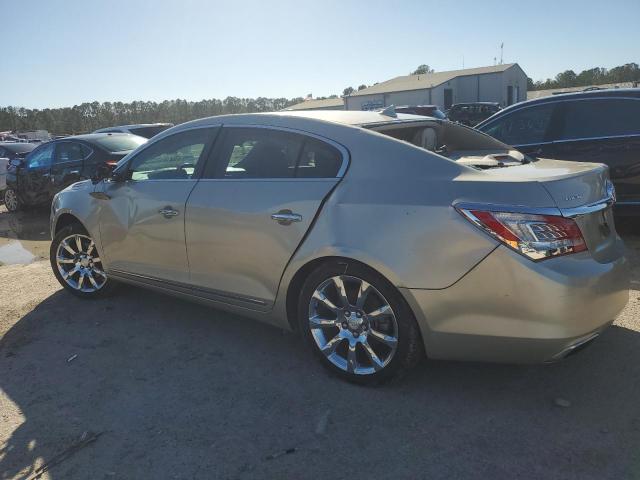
(55, 165)
(600, 126)
(472, 113)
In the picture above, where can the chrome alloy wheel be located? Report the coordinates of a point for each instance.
(79, 264)
(11, 200)
(353, 325)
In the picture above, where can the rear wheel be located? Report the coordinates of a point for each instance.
(11, 200)
(358, 324)
(77, 265)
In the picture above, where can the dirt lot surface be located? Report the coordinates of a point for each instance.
(176, 390)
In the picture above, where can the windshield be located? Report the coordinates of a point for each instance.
(120, 143)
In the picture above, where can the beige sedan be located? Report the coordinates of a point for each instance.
(379, 236)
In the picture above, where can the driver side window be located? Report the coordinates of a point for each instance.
(172, 158)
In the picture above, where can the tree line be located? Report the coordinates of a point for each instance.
(629, 72)
(87, 117)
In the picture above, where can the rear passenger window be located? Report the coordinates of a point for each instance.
(318, 160)
(601, 118)
(69, 152)
(265, 153)
(525, 126)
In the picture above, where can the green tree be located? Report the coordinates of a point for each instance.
(347, 91)
(422, 69)
(362, 87)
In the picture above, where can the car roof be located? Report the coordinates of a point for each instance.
(18, 147)
(475, 103)
(416, 106)
(139, 125)
(609, 93)
(348, 117)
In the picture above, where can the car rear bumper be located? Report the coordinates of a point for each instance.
(510, 309)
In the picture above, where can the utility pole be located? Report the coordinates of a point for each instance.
(501, 52)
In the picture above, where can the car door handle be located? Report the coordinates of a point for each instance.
(168, 212)
(286, 217)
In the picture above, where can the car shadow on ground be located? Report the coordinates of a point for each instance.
(184, 391)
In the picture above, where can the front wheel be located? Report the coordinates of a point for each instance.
(11, 200)
(77, 265)
(357, 323)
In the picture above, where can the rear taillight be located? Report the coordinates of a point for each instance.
(538, 237)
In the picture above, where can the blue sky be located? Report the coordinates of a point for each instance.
(64, 52)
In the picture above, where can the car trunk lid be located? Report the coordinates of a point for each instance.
(581, 191)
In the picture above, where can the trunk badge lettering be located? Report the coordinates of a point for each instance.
(576, 196)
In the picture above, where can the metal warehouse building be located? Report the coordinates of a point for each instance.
(505, 84)
(323, 104)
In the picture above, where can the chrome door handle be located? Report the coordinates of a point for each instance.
(286, 217)
(168, 212)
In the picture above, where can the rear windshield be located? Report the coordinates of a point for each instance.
(441, 137)
(148, 132)
(120, 143)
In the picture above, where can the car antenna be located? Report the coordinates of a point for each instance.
(389, 111)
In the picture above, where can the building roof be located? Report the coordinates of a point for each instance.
(427, 80)
(313, 104)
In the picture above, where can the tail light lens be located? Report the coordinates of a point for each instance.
(538, 237)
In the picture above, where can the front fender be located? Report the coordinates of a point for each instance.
(76, 201)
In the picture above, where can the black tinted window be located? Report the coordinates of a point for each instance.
(528, 125)
(172, 158)
(264, 153)
(318, 160)
(259, 153)
(69, 152)
(601, 118)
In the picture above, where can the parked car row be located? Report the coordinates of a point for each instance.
(35, 175)
(466, 113)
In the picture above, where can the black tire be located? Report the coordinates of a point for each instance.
(11, 200)
(410, 349)
(105, 288)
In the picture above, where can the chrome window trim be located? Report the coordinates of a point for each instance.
(341, 148)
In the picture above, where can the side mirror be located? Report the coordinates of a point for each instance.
(104, 170)
(16, 162)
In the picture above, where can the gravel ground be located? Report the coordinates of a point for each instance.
(176, 390)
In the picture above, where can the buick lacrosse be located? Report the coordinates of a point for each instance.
(380, 237)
